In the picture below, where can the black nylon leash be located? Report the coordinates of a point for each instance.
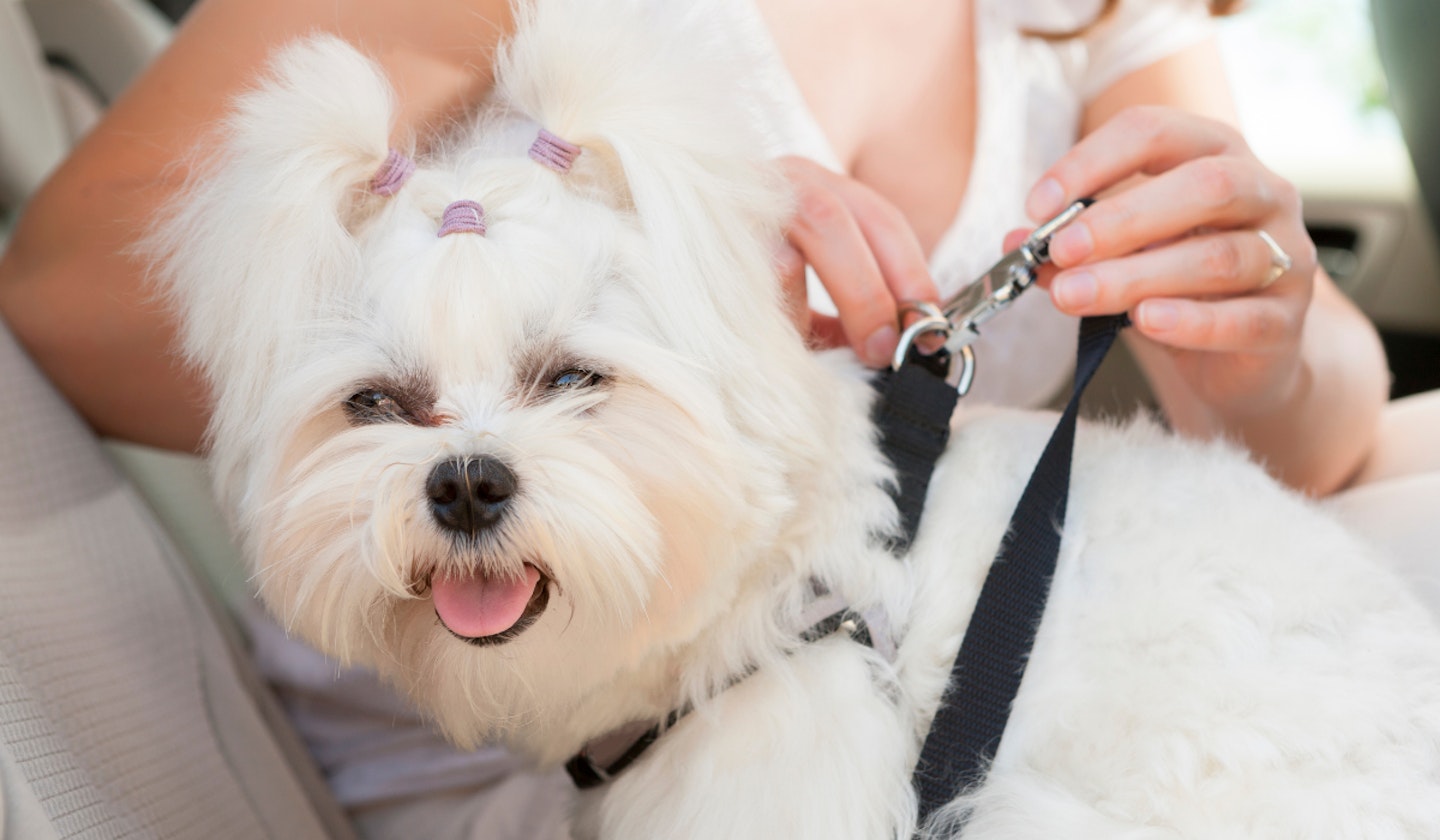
(986, 676)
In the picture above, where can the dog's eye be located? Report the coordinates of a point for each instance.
(372, 406)
(574, 378)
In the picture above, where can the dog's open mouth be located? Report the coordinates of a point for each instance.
(485, 609)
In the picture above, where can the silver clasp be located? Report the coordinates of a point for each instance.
(932, 320)
(959, 319)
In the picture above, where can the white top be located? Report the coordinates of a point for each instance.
(1030, 94)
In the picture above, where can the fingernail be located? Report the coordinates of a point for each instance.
(880, 346)
(1075, 291)
(1158, 315)
(1046, 200)
(1072, 244)
(930, 343)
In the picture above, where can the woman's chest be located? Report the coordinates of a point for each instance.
(893, 89)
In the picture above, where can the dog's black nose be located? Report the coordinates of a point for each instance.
(469, 495)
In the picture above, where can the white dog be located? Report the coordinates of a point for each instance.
(581, 433)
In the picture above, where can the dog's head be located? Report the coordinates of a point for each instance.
(503, 468)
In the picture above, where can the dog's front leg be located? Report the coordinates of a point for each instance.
(813, 746)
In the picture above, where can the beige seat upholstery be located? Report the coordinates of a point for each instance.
(127, 708)
(96, 46)
(124, 709)
(33, 133)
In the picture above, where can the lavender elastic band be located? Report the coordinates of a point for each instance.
(464, 216)
(549, 150)
(393, 174)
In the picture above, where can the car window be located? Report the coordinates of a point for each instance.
(1309, 84)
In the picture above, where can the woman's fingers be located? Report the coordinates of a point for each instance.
(1256, 324)
(862, 250)
(1218, 192)
(1140, 140)
(1224, 263)
(827, 234)
(897, 251)
(1179, 250)
(1046, 272)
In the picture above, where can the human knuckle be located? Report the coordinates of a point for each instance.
(1216, 183)
(1287, 195)
(819, 208)
(1260, 327)
(1278, 328)
(1144, 120)
(863, 310)
(1108, 222)
(1220, 258)
(888, 215)
(1249, 329)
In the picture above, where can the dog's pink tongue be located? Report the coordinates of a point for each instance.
(474, 605)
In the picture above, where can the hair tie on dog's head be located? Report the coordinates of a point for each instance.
(549, 150)
(464, 216)
(393, 174)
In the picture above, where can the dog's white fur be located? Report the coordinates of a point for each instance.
(1216, 660)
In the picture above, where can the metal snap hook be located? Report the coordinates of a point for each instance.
(934, 321)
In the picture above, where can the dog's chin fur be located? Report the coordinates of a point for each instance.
(1217, 660)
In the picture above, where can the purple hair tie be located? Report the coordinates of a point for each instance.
(393, 174)
(464, 216)
(549, 150)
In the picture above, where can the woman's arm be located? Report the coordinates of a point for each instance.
(68, 287)
(1292, 370)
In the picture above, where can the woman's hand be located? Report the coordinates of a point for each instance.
(864, 253)
(1181, 251)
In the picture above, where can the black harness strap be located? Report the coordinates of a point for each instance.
(986, 677)
(913, 416)
(587, 773)
(625, 746)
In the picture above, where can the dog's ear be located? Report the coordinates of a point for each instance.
(260, 236)
(659, 98)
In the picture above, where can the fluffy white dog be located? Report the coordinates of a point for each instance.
(567, 467)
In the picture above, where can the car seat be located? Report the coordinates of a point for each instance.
(128, 707)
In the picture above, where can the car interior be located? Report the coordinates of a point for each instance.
(128, 706)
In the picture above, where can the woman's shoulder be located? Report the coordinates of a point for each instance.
(1111, 42)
